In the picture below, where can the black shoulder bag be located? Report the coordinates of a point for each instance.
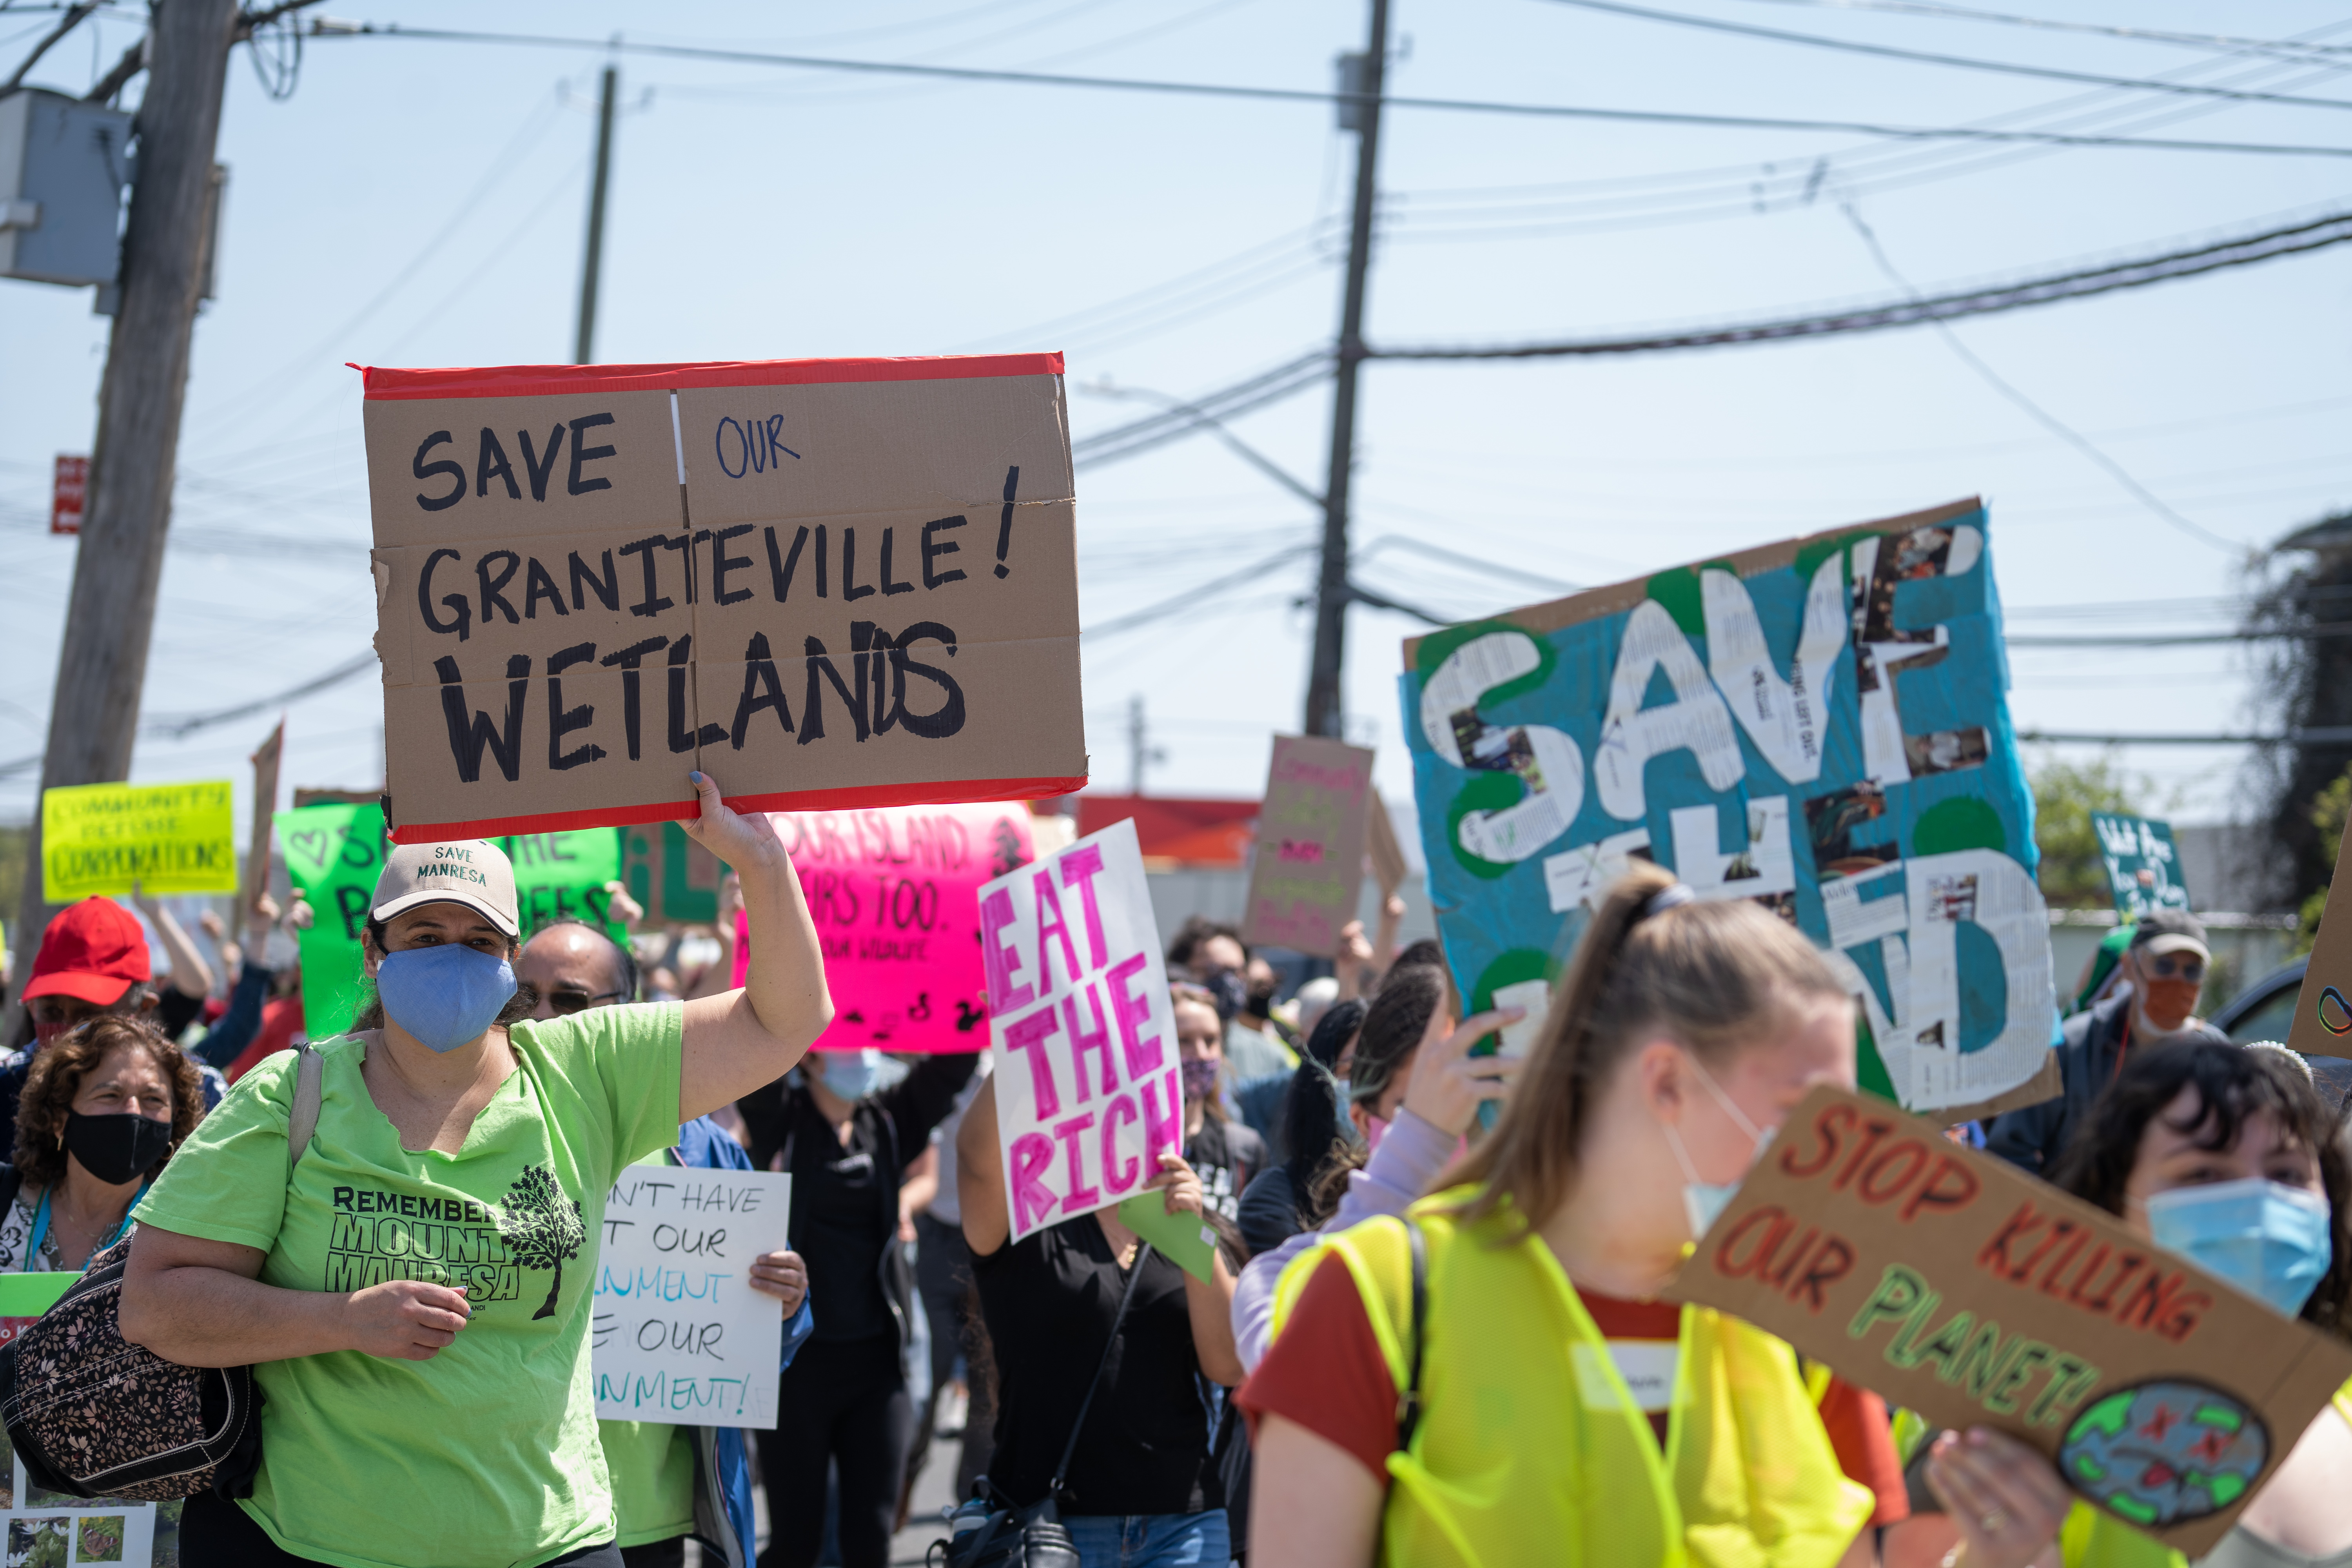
(92, 1414)
(1033, 1537)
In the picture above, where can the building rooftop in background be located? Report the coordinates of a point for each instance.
(1177, 832)
(2327, 533)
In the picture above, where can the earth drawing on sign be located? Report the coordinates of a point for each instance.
(2160, 1453)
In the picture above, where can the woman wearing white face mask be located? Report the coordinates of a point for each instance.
(846, 1126)
(2224, 1153)
(1547, 1386)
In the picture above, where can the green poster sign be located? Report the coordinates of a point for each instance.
(561, 876)
(334, 855)
(2142, 864)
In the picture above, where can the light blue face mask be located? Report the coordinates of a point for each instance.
(444, 996)
(852, 1075)
(1704, 1202)
(2265, 1237)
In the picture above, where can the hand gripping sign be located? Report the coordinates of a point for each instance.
(1967, 1291)
(826, 583)
(1088, 1092)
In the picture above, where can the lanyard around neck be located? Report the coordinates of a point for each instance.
(41, 1226)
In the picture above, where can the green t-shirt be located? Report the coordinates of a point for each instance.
(652, 1467)
(485, 1456)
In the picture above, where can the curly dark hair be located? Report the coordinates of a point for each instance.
(57, 1076)
(2233, 1084)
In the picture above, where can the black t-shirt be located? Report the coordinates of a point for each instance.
(845, 1196)
(1048, 1301)
(1224, 1155)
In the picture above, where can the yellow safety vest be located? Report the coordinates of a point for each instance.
(2092, 1538)
(1530, 1448)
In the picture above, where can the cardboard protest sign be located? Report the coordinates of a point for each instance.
(676, 1332)
(1310, 865)
(334, 855)
(826, 583)
(1819, 725)
(1383, 852)
(895, 893)
(2143, 867)
(170, 838)
(1088, 1092)
(561, 877)
(2323, 1006)
(1957, 1287)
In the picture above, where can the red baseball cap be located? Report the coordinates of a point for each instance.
(94, 951)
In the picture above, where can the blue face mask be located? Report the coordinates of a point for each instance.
(444, 996)
(852, 1075)
(2268, 1239)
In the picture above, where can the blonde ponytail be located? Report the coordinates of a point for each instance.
(1711, 975)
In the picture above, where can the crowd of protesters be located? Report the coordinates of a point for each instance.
(1426, 1249)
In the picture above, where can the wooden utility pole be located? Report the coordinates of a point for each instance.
(584, 346)
(1325, 701)
(102, 665)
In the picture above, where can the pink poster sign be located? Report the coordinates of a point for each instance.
(1089, 1094)
(895, 895)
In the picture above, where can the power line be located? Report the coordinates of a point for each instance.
(1298, 95)
(2040, 415)
(2332, 735)
(1286, 380)
(2180, 639)
(2238, 252)
(2287, 48)
(1195, 595)
(1921, 57)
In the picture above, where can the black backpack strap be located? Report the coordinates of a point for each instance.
(1409, 1396)
(1062, 1469)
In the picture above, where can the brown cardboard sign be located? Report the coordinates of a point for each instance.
(2323, 1008)
(1310, 865)
(264, 813)
(1381, 849)
(826, 583)
(1957, 1287)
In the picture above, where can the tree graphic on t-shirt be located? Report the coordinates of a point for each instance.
(542, 1227)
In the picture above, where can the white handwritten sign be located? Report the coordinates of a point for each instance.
(1087, 1093)
(678, 1333)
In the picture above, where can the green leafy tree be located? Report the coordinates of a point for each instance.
(2329, 813)
(2074, 874)
(542, 1227)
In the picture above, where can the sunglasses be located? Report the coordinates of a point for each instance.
(571, 1001)
(2177, 966)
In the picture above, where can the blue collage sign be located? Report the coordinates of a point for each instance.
(1821, 726)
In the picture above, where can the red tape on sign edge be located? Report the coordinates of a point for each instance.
(950, 792)
(547, 380)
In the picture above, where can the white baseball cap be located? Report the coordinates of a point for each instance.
(468, 871)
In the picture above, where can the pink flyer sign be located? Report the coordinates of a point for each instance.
(895, 895)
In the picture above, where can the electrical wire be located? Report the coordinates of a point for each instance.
(2242, 250)
(2284, 48)
(1140, 436)
(1886, 51)
(268, 391)
(1298, 95)
(1191, 597)
(2040, 415)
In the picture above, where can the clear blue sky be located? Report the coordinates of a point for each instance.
(423, 203)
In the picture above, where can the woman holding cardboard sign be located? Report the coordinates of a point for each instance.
(1140, 1491)
(415, 1286)
(2226, 1153)
(1683, 1033)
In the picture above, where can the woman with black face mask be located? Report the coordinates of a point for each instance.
(103, 1107)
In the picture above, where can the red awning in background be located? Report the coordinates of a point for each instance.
(1188, 832)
